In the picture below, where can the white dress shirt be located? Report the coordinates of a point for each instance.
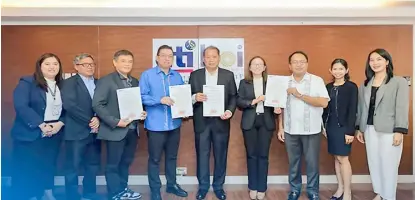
(259, 90)
(53, 101)
(302, 118)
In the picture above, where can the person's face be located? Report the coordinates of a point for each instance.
(338, 71)
(211, 58)
(257, 66)
(377, 63)
(298, 64)
(165, 58)
(124, 63)
(50, 67)
(86, 67)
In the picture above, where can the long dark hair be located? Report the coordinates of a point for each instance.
(38, 75)
(389, 68)
(344, 63)
(249, 76)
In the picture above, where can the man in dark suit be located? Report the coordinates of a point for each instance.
(212, 130)
(82, 147)
(120, 134)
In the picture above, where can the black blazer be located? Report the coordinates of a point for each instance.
(347, 97)
(78, 106)
(246, 94)
(197, 80)
(105, 105)
(29, 103)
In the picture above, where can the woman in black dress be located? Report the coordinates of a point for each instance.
(339, 121)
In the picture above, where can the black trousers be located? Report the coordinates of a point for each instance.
(203, 141)
(82, 154)
(159, 141)
(120, 155)
(257, 143)
(34, 166)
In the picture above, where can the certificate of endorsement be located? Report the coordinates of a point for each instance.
(276, 91)
(214, 106)
(182, 97)
(129, 103)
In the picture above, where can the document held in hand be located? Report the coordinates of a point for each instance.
(276, 91)
(129, 103)
(182, 97)
(214, 106)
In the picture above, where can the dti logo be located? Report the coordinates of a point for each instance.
(189, 45)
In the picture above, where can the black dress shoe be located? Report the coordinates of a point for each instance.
(201, 194)
(176, 190)
(155, 196)
(220, 194)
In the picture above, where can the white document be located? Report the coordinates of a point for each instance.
(182, 97)
(214, 106)
(129, 103)
(276, 91)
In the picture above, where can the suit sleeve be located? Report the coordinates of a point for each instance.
(192, 82)
(352, 111)
(241, 100)
(21, 96)
(147, 98)
(69, 100)
(402, 107)
(232, 94)
(99, 103)
(359, 107)
(326, 109)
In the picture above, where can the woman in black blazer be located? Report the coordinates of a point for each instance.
(339, 119)
(36, 131)
(258, 125)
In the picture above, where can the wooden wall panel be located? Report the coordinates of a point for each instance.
(22, 45)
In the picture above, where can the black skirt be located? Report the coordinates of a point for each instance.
(336, 138)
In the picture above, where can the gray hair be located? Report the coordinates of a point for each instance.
(81, 56)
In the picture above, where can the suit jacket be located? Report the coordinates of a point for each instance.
(391, 106)
(105, 105)
(29, 103)
(197, 80)
(77, 104)
(246, 94)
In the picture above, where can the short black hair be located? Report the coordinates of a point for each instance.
(297, 52)
(211, 47)
(122, 52)
(164, 46)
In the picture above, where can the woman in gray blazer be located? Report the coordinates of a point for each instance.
(382, 120)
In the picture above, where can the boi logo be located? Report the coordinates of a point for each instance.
(190, 45)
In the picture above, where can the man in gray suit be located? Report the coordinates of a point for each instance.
(120, 134)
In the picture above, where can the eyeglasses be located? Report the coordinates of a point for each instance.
(86, 65)
(257, 65)
(301, 62)
(166, 56)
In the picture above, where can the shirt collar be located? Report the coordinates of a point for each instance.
(86, 78)
(123, 77)
(306, 77)
(158, 70)
(214, 73)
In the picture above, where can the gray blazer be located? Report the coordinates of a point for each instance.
(391, 106)
(105, 105)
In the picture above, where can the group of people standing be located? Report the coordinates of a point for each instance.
(83, 111)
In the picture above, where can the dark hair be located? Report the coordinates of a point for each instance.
(38, 75)
(122, 52)
(297, 52)
(164, 47)
(344, 63)
(249, 76)
(211, 47)
(389, 68)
